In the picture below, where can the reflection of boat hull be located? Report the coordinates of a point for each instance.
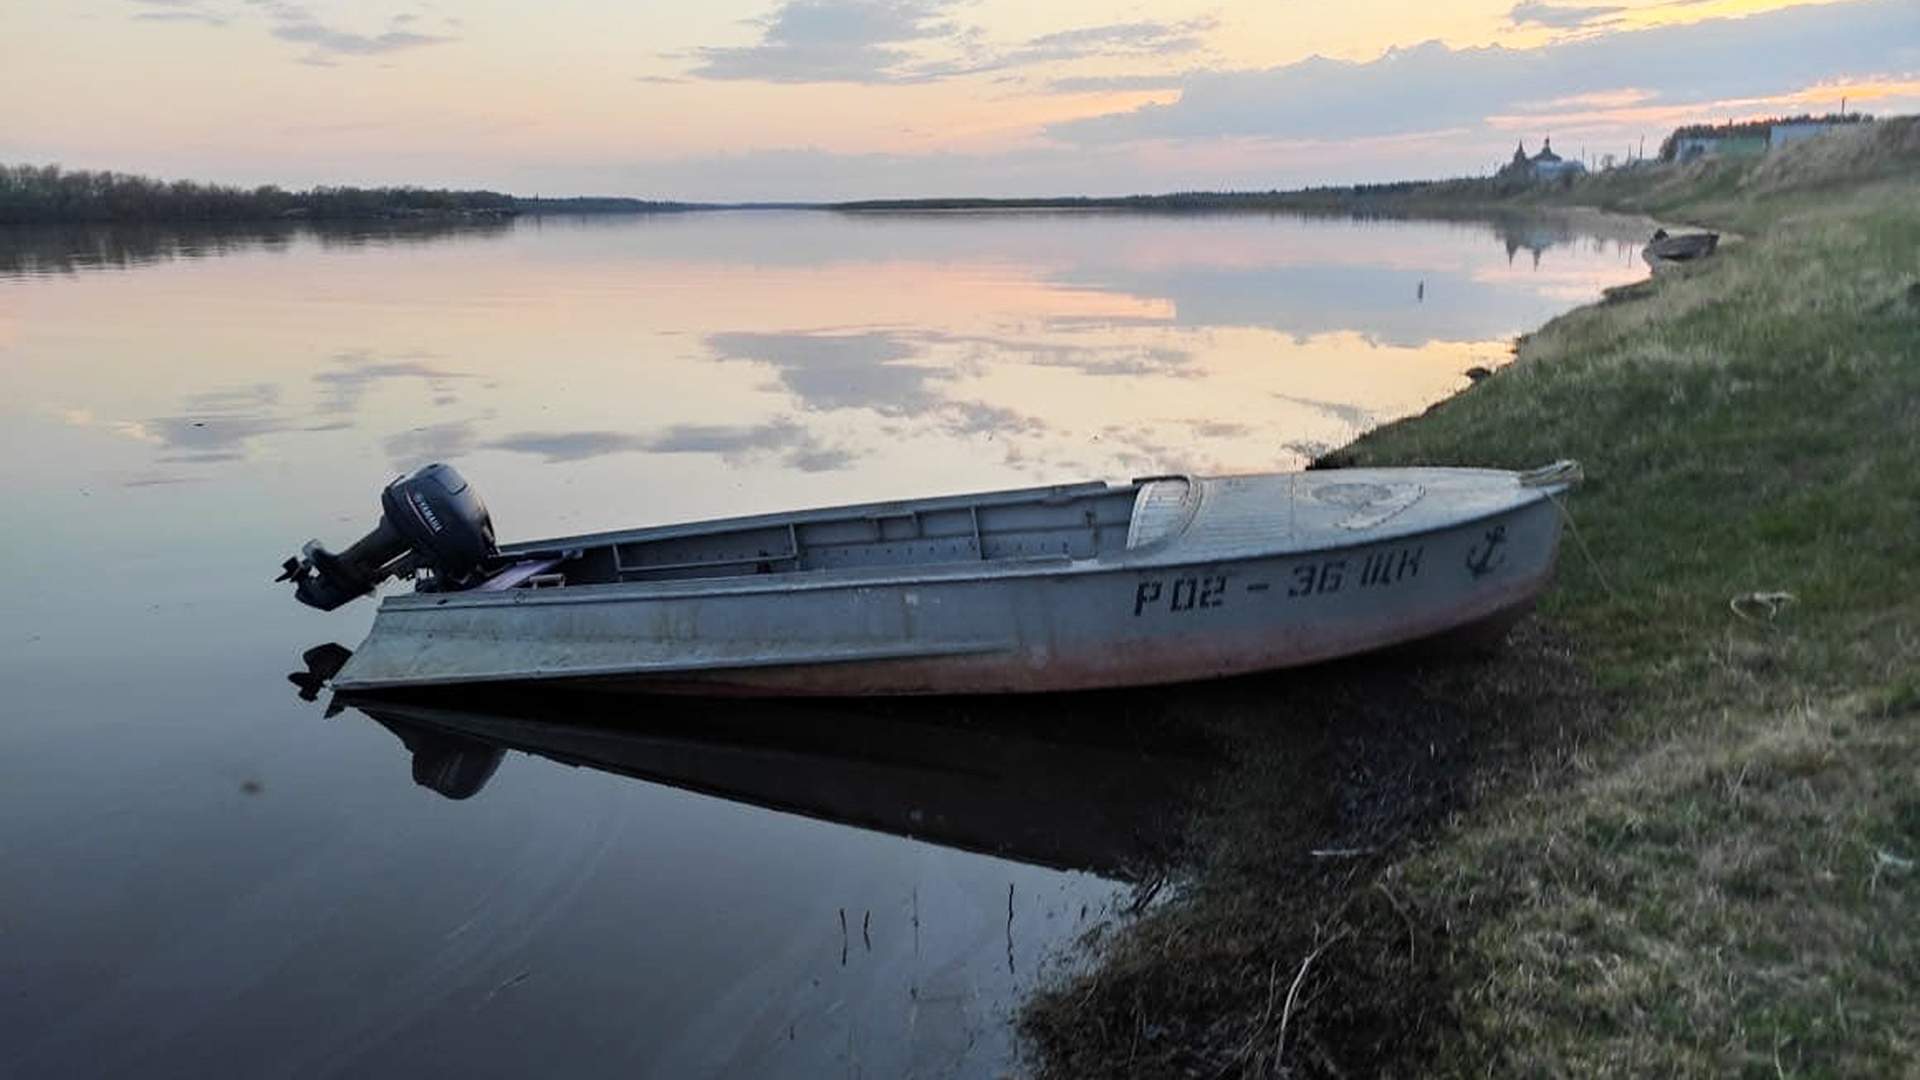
(1269, 572)
(1104, 800)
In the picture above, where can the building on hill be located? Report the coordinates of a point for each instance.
(1793, 131)
(1543, 166)
(1690, 147)
(1750, 138)
(1548, 165)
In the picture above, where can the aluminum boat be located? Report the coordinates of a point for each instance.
(1161, 579)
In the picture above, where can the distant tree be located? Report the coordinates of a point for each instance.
(47, 194)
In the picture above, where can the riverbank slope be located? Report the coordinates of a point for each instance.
(1673, 827)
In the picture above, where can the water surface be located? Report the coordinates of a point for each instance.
(205, 874)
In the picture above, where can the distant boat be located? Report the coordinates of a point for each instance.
(1684, 248)
(1163, 579)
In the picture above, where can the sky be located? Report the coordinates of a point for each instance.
(730, 100)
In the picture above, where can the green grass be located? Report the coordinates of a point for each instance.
(1663, 838)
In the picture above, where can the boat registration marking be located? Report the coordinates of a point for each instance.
(1320, 577)
(1378, 569)
(1186, 593)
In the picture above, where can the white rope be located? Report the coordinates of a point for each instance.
(1585, 551)
(1752, 606)
(1564, 472)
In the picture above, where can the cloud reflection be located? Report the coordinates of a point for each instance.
(346, 386)
(1353, 416)
(840, 370)
(1035, 345)
(433, 442)
(792, 443)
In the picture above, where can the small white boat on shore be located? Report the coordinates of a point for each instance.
(1163, 579)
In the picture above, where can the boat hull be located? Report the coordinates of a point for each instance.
(1044, 625)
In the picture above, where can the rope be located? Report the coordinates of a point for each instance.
(1753, 607)
(1564, 472)
(1585, 551)
(1750, 605)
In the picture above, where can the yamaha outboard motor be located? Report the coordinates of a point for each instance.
(432, 520)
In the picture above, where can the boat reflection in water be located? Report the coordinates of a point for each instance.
(1018, 779)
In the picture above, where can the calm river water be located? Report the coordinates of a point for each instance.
(203, 874)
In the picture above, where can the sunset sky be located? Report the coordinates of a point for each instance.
(820, 99)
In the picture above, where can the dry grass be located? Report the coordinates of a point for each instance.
(1290, 945)
(1657, 838)
(1736, 900)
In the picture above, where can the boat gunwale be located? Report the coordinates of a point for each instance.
(1160, 556)
(884, 508)
(917, 651)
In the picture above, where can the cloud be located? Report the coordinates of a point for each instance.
(1432, 86)
(1141, 38)
(888, 41)
(204, 18)
(159, 480)
(344, 43)
(857, 41)
(290, 21)
(1598, 99)
(1560, 18)
(293, 22)
(176, 11)
(1095, 84)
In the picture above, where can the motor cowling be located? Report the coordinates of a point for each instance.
(432, 520)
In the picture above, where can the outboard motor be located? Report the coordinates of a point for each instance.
(432, 519)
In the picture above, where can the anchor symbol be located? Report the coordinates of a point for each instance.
(1480, 561)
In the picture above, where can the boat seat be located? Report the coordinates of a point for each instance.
(1161, 509)
(516, 575)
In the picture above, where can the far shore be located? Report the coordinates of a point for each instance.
(47, 195)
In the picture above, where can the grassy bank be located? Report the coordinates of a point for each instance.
(1654, 835)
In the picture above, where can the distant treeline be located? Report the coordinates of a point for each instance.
(1183, 201)
(47, 194)
(50, 195)
(601, 204)
(68, 247)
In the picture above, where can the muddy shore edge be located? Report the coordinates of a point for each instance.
(1671, 827)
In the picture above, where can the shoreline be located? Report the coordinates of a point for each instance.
(1659, 832)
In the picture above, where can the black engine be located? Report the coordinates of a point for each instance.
(432, 520)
